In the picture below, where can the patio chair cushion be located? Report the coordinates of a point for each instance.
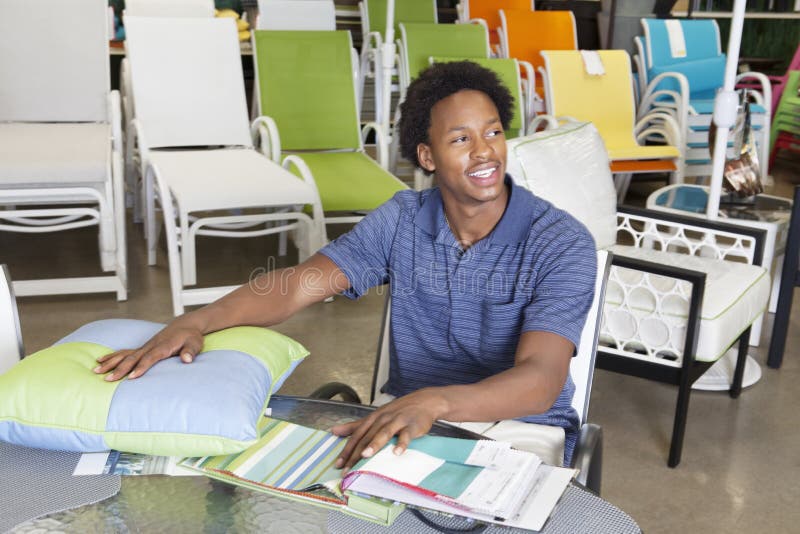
(735, 294)
(569, 168)
(53, 400)
(230, 178)
(350, 181)
(52, 154)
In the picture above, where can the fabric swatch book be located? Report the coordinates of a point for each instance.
(482, 479)
(294, 462)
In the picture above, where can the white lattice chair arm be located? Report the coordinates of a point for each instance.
(689, 235)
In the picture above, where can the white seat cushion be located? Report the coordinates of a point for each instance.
(48, 154)
(204, 180)
(735, 295)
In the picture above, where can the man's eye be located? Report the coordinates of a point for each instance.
(494, 133)
(460, 139)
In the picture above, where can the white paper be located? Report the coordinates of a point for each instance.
(487, 453)
(91, 463)
(410, 467)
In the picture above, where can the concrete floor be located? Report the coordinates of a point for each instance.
(740, 462)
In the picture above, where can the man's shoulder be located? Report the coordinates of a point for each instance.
(549, 220)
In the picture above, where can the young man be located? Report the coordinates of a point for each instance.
(490, 285)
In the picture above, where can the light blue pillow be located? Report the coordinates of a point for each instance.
(52, 399)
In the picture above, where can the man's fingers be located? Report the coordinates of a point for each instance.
(404, 437)
(355, 430)
(123, 366)
(189, 350)
(109, 361)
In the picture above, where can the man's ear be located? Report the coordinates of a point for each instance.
(425, 157)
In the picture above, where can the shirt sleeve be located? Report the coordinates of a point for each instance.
(362, 254)
(564, 287)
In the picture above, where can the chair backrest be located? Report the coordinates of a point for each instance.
(373, 14)
(581, 367)
(508, 72)
(296, 15)
(672, 41)
(54, 61)
(568, 166)
(421, 41)
(690, 47)
(487, 10)
(187, 81)
(169, 8)
(606, 100)
(11, 350)
(529, 32)
(305, 83)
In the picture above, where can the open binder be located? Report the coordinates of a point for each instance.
(482, 479)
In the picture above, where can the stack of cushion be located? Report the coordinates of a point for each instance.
(52, 399)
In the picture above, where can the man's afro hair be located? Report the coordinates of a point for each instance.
(436, 83)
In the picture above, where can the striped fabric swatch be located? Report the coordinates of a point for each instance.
(286, 457)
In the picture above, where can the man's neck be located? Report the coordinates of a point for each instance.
(472, 222)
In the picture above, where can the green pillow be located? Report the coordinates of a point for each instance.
(53, 400)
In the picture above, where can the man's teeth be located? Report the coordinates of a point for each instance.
(482, 174)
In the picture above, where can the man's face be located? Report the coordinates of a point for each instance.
(467, 149)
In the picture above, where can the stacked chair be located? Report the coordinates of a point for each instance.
(607, 100)
(684, 57)
(675, 304)
(524, 34)
(373, 34)
(148, 8)
(61, 135)
(198, 154)
(786, 122)
(307, 96)
(486, 12)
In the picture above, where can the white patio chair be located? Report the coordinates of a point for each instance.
(147, 8)
(588, 454)
(11, 349)
(60, 134)
(675, 304)
(192, 128)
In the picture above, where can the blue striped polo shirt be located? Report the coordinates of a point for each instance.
(457, 315)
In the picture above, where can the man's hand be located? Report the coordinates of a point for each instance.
(175, 340)
(407, 418)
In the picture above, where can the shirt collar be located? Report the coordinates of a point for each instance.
(512, 228)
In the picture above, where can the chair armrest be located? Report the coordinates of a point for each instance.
(588, 457)
(381, 143)
(652, 97)
(265, 135)
(671, 229)
(764, 96)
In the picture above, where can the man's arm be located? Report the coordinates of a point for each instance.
(541, 366)
(266, 300)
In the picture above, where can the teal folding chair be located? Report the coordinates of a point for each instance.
(307, 99)
(685, 57)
